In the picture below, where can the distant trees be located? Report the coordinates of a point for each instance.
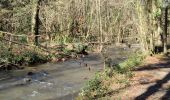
(153, 24)
(101, 21)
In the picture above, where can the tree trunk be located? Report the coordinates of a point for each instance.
(100, 25)
(165, 30)
(35, 20)
(143, 27)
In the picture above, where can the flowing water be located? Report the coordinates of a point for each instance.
(55, 81)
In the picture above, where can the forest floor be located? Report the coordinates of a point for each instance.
(151, 81)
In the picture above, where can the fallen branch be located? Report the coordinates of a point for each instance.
(23, 44)
(8, 33)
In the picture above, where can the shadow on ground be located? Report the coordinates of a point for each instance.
(158, 85)
(163, 64)
(155, 88)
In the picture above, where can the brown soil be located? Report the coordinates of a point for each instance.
(151, 81)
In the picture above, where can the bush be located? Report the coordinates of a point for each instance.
(32, 57)
(95, 88)
(128, 65)
(7, 55)
(24, 57)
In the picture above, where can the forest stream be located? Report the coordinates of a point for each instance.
(56, 81)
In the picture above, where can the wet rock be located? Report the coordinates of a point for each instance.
(27, 80)
(85, 78)
(24, 81)
(30, 73)
(83, 51)
(34, 93)
(37, 75)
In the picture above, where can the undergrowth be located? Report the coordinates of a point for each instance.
(23, 56)
(111, 80)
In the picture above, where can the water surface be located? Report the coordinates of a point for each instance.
(56, 81)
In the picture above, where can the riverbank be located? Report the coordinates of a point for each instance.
(148, 80)
(14, 58)
(112, 80)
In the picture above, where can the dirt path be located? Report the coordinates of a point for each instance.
(150, 82)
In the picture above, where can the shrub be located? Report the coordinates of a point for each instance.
(129, 64)
(32, 57)
(95, 87)
(23, 57)
(118, 75)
